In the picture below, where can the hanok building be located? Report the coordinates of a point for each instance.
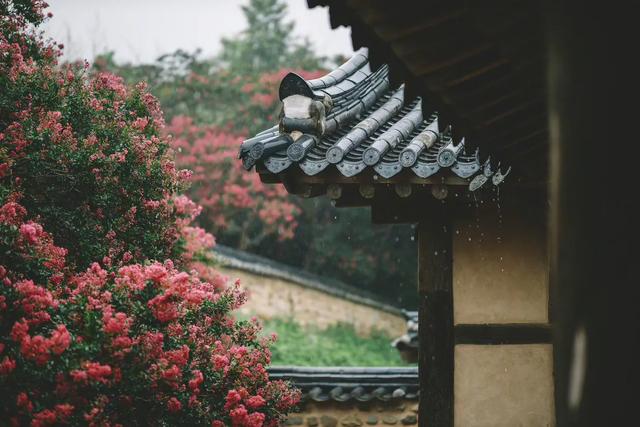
(534, 84)
(355, 137)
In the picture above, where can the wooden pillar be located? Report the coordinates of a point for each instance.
(435, 355)
(594, 215)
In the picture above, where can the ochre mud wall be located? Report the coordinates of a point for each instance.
(500, 276)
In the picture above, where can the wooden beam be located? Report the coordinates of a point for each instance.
(436, 337)
(392, 32)
(503, 334)
(472, 74)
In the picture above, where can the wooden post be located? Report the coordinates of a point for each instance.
(435, 329)
(594, 218)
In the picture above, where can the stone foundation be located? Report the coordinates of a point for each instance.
(334, 414)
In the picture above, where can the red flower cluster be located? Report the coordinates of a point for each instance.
(146, 328)
(232, 199)
(100, 324)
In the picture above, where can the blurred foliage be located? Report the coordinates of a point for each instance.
(237, 93)
(266, 44)
(337, 345)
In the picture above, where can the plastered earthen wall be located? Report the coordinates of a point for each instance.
(500, 267)
(503, 386)
(500, 275)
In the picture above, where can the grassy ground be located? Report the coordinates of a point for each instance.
(335, 346)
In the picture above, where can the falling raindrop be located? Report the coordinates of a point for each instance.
(413, 238)
(435, 253)
(469, 239)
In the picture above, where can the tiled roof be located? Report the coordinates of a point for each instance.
(353, 120)
(481, 63)
(409, 341)
(343, 384)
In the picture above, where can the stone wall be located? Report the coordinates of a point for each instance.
(333, 414)
(273, 293)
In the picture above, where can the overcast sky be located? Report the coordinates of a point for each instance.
(142, 30)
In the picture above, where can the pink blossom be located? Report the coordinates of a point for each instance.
(174, 405)
(255, 402)
(31, 232)
(7, 365)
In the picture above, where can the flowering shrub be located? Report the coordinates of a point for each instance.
(85, 155)
(98, 323)
(124, 345)
(235, 202)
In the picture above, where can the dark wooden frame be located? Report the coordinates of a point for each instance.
(435, 329)
(497, 334)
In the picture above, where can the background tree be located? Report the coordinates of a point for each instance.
(268, 43)
(233, 95)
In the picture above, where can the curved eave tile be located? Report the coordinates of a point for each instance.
(388, 169)
(277, 164)
(350, 168)
(313, 167)
(466, 166)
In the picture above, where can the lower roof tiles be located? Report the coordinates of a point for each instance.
(343, 384)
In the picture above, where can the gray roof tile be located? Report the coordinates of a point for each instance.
(361, 122)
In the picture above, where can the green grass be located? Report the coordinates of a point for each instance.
(337, 345)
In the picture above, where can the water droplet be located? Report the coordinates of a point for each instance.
(413, 238)
(469, 239)
(457, 231)
(436, 253)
